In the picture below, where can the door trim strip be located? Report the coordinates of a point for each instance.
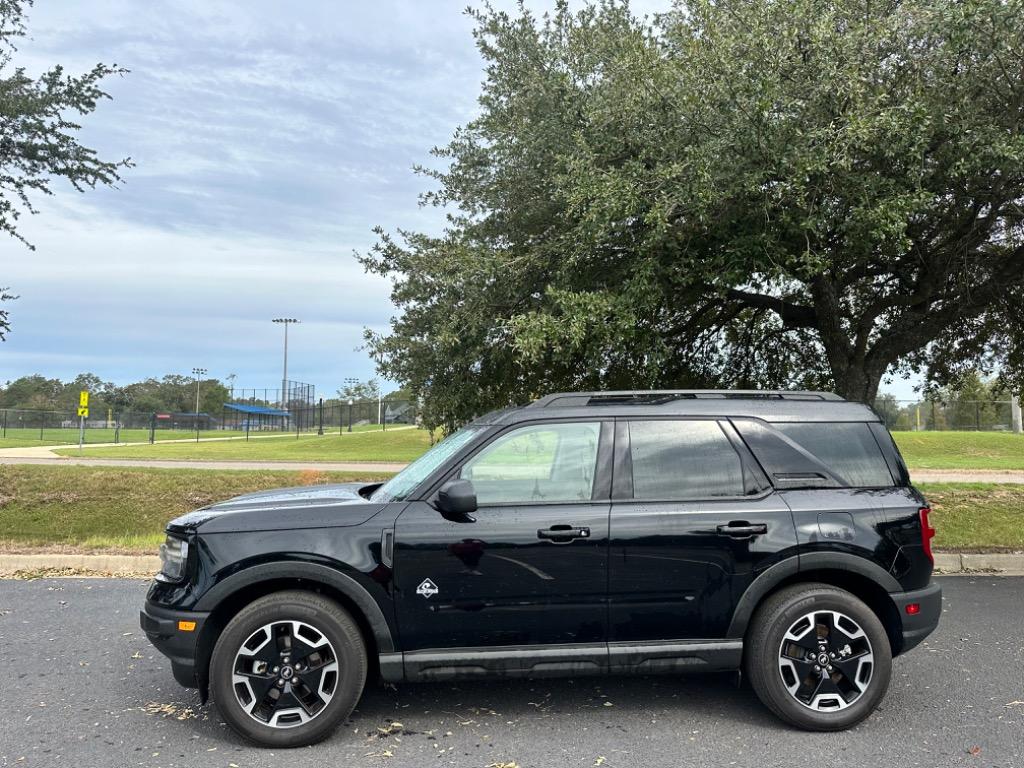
(563, 660)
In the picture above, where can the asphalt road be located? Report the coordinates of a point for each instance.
(82, 687)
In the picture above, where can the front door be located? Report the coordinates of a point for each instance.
(530, 567)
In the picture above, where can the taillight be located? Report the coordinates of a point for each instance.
(927, 532)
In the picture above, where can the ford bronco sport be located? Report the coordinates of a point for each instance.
(585, 533)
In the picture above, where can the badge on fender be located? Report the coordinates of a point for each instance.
(428, 589)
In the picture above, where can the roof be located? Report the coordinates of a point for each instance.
(770, 405)
(262, 410)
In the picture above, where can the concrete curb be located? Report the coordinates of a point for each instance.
(999, 564)
(77, 565)
(113, 565)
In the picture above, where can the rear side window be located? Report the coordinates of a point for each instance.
(683, 460)
(848, 449)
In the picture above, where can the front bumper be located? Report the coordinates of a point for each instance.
(162, 627)
(916, 627)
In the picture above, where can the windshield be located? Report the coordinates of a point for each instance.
(402, 484)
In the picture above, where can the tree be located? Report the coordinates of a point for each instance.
(359, 391)
(735, 193)
(38, 139)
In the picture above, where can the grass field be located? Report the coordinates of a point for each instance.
(922, 450)
(976, 516)
(126, 508)
(399, 445)
(961, 450)
(122, 508)
(18, 437)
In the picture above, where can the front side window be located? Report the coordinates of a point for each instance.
(537, 464)
(683, 460)
(848, 449)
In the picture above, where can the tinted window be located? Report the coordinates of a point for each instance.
(683, 460)
(849, 450)
(542, 463)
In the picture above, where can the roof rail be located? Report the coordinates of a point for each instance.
(660, 396)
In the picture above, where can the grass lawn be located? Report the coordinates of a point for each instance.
(123, 508)
(961, 450)
(976, 516)
(399, 445)
(18, 437)
(922, 450)
(126, 508)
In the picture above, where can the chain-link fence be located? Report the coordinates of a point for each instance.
(920, 415)
(62, 427)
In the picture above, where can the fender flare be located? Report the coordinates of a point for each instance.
(314, 572)
(810, 561)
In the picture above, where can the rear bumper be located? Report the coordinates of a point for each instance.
(916, 627)
(161, 626)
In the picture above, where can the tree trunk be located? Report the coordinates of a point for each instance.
(858, 383)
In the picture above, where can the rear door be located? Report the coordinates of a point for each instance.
(694, 521)
(530, 567)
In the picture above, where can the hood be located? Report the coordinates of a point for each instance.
(311, 506)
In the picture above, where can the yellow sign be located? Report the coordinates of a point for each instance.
(83, 412)
(83, 400)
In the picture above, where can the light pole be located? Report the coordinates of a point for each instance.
(285, 321)
(198, 372)
(350, 414)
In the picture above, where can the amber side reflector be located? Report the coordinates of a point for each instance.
(913, 608)
(186, 626)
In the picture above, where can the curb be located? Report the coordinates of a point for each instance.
(78, 565)
(11, 564)
(997, 564)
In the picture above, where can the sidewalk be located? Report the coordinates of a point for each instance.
(326, 466)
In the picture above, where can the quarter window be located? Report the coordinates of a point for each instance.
(683, 460)
(848, 449)
(537, 464)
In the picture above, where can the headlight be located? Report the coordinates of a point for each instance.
(173, 557)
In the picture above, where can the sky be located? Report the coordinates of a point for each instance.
(268, 141)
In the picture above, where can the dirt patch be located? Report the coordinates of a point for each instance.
(59, 573)
(61, 497)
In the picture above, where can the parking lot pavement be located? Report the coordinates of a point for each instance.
(82, 687)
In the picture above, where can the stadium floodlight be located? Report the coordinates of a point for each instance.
(198, 372)
(285, 321)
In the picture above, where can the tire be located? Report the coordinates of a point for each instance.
(788, 629)
(308, 639)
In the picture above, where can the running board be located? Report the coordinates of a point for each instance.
(572, 660)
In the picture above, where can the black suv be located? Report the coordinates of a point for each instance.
(585, 533)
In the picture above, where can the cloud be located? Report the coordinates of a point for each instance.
(268, 142)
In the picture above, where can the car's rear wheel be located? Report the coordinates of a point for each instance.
(818, 657)
(288, 669)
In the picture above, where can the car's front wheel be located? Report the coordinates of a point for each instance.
(288, 669)
(818, 657)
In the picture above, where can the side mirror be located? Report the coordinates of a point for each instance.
(457, 500)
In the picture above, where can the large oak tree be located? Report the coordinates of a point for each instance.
(737, 192)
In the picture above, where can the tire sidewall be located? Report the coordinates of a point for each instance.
(325, 616)
(768, 639)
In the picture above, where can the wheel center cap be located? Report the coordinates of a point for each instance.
(823, 659)
(287, 673)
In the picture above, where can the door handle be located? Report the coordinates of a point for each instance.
(563, 534)
(742, 530)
